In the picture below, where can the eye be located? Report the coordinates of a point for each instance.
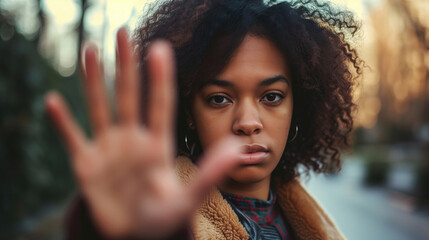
(273, 98)
(218, 100)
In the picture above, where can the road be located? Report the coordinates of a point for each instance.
(367, 213)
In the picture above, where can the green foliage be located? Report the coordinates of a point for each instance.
(34, 166)
(377, 167)
(385, 133)
(359, 137)
(396, 133)
(422, 179)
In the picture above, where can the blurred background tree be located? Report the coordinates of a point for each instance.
(397, 85)
(393, 113)
(403, 50)
(35, 173)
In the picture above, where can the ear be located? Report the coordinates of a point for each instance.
(190, 120)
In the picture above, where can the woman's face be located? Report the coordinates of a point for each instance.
(252, 99)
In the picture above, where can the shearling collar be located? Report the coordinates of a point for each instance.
(215, 219)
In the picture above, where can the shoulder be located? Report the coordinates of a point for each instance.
(305, 215)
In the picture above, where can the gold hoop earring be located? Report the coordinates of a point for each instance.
(190, 149)
(296, 134)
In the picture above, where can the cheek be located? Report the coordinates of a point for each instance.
(277, 125)
(211, 126)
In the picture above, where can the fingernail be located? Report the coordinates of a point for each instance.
(122, 34)
(123, 30)
(51, 98)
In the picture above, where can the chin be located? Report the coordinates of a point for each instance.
(250, 174)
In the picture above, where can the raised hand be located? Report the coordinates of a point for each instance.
(126, 172)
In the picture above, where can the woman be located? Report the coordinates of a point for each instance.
(264, 87)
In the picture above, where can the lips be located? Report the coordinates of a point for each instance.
(254, 154)
(253, 148)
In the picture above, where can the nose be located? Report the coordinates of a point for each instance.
(247, 120)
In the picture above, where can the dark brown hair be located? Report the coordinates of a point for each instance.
(310, 34)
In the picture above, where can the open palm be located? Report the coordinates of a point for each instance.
(126, 172)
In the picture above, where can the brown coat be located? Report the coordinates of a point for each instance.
(215, 219)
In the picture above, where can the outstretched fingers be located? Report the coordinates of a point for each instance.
(128, 80)
(63, 120)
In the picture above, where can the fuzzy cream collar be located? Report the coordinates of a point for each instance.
(215, 219)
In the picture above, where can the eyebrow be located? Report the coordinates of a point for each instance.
(217, 82)
(225, 83)
(269, 81)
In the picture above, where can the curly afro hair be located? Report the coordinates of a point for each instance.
(311, 34)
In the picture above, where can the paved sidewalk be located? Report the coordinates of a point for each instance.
(367, 213)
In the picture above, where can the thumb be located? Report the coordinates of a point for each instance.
(217, 162)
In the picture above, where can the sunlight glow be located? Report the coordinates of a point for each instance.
(62, 11)
(25, 12)
(355, 6)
